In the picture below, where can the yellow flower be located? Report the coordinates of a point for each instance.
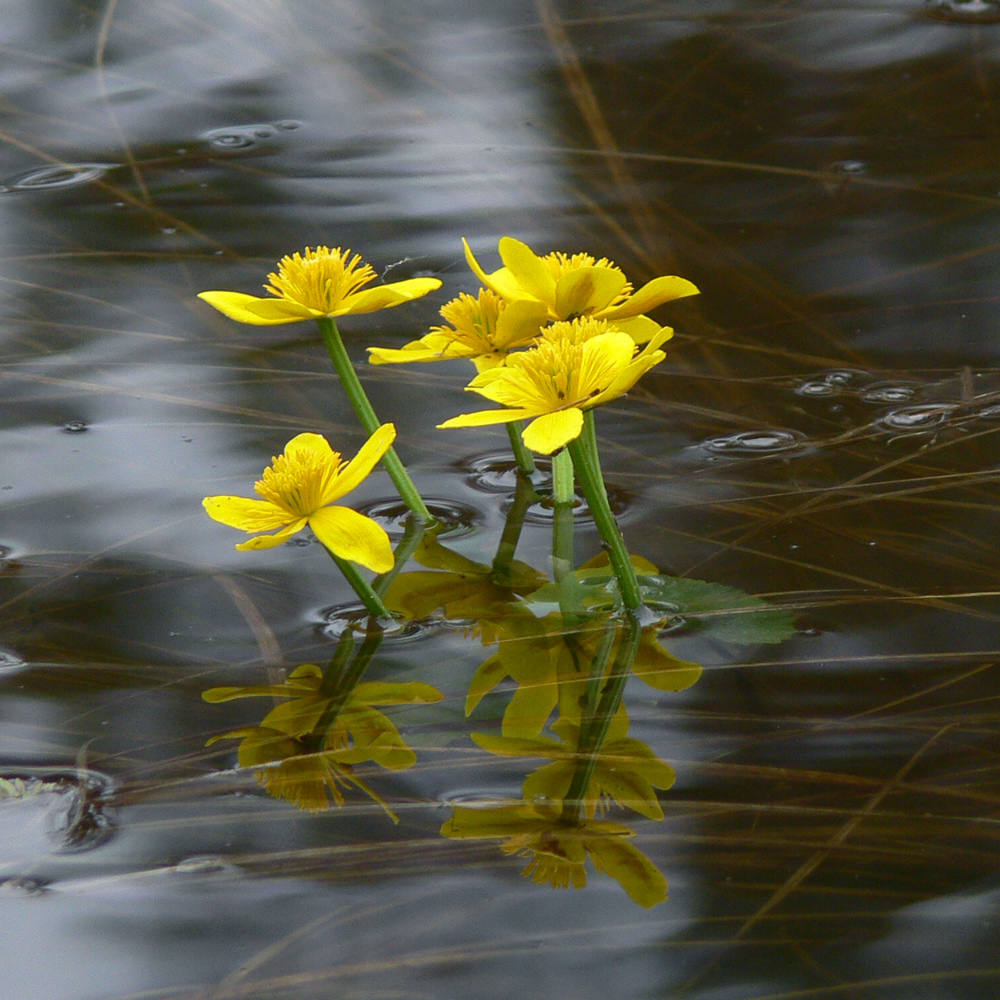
(299, 488)
(557, 852)
(320, 282)
(574, 285)
(554, 382)
(483, 329)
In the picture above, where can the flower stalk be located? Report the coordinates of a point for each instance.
(522, 454)
(587, 466)
(366, 414)
(366, 593)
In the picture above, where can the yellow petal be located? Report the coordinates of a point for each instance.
(351, 535)
(549, 432)
(415, 352)
(501, 281)
(480, 418)
(628, 377)
(257, 311)
(241, 512)
(528, 269)
(359, 467)
(652, 294)
(587, 290)
(641, 328)
(638, 876)
(272, 541)
(386, 296)
(519, 322)
(315, 444)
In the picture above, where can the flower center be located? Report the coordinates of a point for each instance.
(299, 482)
(319, 279)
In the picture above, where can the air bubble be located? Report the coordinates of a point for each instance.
(770, 442)
(62, 175)
(455, 518)
(888, 393)
(849, 168)
(918, 418)
(75, 426)
(238, 138)
(288, 124)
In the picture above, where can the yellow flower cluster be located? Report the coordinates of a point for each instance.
(582, 325)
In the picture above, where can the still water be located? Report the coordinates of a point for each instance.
(822, 436)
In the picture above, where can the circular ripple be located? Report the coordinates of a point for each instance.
(964, 11)
(61, 175)
(497, 473)
(816, 389)
(844, 376)
(918, 418)
(392, 515)
(336, 620)
(764, 442)
(75, 426)
(75, 803)
(23, 885)
(9, 662)
(895, 393)
(205, 864)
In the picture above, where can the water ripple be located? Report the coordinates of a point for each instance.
(763, 442)
(59, 175)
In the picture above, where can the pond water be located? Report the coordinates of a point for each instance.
(822, 436)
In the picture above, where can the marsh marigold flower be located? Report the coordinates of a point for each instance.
(300, 489)
(554, 382)
(484, 329)
(572, 285)
(318, 282)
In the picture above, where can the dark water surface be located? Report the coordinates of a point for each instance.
(824, 433)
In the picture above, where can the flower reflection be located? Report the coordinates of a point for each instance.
(557, 852)
(461, 589)
(625, 770)
(550, 663)
(315, 737)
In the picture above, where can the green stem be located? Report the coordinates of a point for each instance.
(369, 419)
(413, 535)
(344, 686)
(594, 728)
(372, 602)
(587, 466)
(522, 453)
(524, 496)
(562, 515)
